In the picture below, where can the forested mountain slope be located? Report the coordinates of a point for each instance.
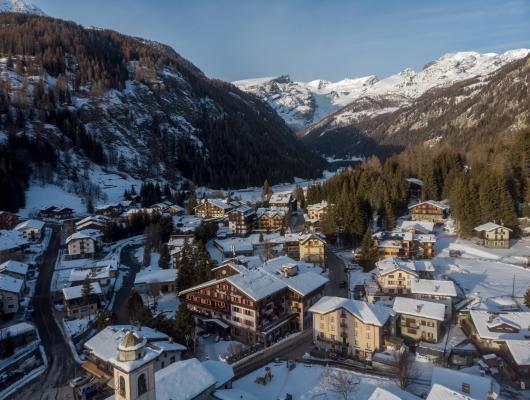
(96, 97)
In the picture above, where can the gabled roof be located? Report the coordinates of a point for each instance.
(30, 224)
(280, 198)
(10, 284)
(520, 351)
(479, 386)
(485, 321)
(439, 392)
(433, 203)
(271, 212)
(15, 267)
(183, 380)
(419, 308)
(256, 284)
(490, 226)
(222, 372)
(372, 314)
(389, 265)
(11, 239)
(150, 275)
(92, 234)
(433, 287)
(76, 292)
(309, 236)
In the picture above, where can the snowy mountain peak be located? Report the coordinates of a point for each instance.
(20, 6)
(301, 104)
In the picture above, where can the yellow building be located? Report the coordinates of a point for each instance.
(395, 276)
(419, 319)
(350, 327)
(493, 235)
(312, 248)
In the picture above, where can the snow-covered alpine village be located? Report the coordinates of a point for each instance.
(264, 200)
(239, 295)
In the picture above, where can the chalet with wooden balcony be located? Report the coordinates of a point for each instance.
(395, 276)
(258, 305)
(213, 208)
(241, 220)
(429, 210)
(493, 235)
(312, 248)
(405, 244)
(350, 327)
(270, 220)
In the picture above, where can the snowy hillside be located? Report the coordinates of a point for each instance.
(20, 6)
(301, 104)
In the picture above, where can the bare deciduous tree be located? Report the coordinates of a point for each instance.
(343, 383)
(403, 362)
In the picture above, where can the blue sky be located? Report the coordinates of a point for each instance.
(309, 39)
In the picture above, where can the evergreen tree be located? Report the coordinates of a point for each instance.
(183, 325)
(163, 261)
(527, 297)
(192, 203)
(368, 254)
(266, 191)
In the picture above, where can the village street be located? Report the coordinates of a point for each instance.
(53, 384)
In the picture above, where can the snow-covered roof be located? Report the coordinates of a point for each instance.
(76, 292)
(93, 234)
(17, 329)
(389, 265)
(391, 393)
(244, 209)
(256, 284)
(97, 219)
(372, 314)
(218, 203)
(93, 273)
(317, 206)
(306, 279)
(236, 244)
(313, 235)
(222, 372)
(10, 284)
(15, 267)
(30, 224)
(169, 346)
(183, 380)
(433, 203)
(486, 322)
(439, 392)
(153, 275)
(419, 308)
(433, 287)
(280, 198)
(420, 226)
(520, 350)
(479, 386)
(271, 212)
(416, 181)
(104, 345)
(489, 226)
(11, 239)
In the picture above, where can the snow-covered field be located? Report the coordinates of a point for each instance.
(38, 197)
(313, 382)
(482, 272)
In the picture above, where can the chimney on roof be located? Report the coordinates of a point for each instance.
(419, 307)
(436, 288)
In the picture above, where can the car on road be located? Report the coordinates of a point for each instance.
(342, 284)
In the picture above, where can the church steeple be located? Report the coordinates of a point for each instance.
(134, 373)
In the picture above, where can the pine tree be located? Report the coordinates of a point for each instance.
(527, 297)
(192, 203)
(368, 254)
(183, 325)
(266, 192)
(163, 261)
